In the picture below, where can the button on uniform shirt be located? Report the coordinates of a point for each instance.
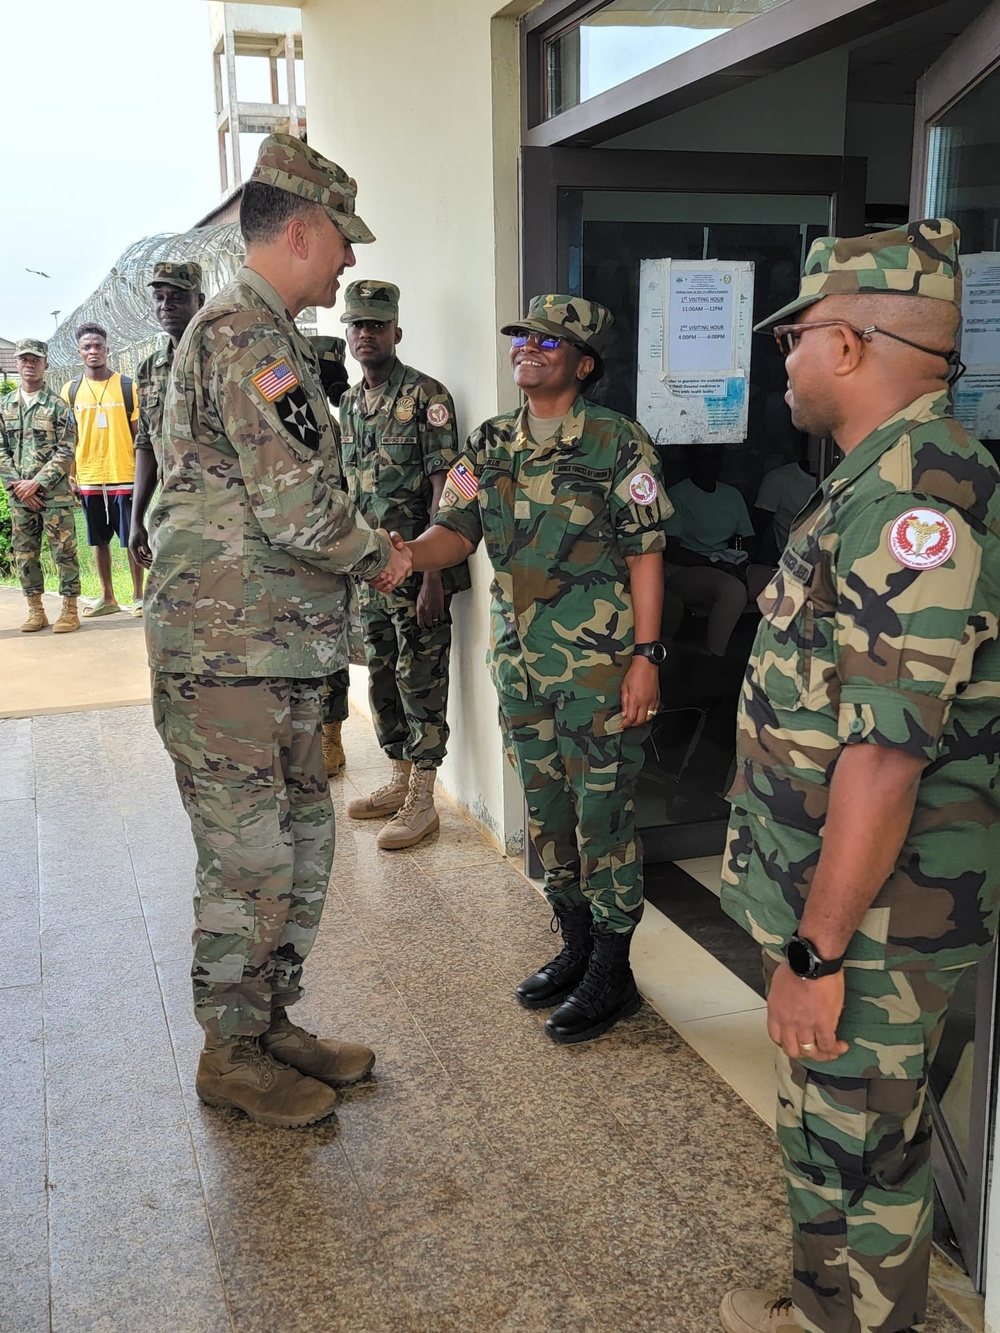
(38, 443)
(880, 627)
(151, 381)
(558, 520)
(252, 534)
(390, 451)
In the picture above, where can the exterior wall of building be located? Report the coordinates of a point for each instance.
(428, 123)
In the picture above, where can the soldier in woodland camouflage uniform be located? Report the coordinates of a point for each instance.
(37, 449)
(399, 438)
(177, 298)
(568, 500)
(864, 844)
(252, 538)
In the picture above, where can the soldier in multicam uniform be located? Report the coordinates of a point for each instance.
(568, 499)
(252, 538)
(177, 298)
(399, 438)
(37, 449)
(864, 844)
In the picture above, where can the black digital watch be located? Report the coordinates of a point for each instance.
(803, 958)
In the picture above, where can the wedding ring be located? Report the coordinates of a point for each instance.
(807, 1045)
(650, 712)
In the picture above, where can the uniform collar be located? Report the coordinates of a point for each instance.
(265, 291)
(568, 435)
(928, 407)
(392, 387)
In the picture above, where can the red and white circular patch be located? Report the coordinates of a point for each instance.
(438, 414)
(642, 488)
(922, 539)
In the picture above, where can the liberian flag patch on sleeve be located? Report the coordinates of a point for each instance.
(464, 481)
(274, 380)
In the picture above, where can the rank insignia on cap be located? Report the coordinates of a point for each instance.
(922, 539)
(274, 380)
(642, 488)
(464, 481)
(438, 414)
(404, 409)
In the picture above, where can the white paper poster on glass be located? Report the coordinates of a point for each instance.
(977, 394)
(694, 350)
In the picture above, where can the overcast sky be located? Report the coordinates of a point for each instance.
(108, 136)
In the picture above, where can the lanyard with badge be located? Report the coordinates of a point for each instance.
(102, 417)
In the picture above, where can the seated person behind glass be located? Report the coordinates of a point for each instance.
(784, 492)
(710, 547)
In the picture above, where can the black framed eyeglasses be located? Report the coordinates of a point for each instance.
(547, 342)
(787, 335)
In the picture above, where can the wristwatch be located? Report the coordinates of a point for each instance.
(803, 958)
(656, 652)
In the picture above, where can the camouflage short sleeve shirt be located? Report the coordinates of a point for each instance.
(880, 627)
(38, 443)
(558, 521)
(391, 453)
(151, 381)
(252, 533)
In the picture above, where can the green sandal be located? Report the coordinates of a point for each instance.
(100, 609)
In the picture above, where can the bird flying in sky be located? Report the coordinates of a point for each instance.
(39, 272)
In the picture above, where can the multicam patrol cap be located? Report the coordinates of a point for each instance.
(290, 164)
(370, 299)
(31, 347)
(171, 273)
(585, 324)
(920, 259)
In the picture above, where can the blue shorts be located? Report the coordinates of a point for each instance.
(108, 513)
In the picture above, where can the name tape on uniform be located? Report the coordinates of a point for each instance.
(274, 380)
(464, 481)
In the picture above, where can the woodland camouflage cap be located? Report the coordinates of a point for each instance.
(186, 275)
(920, 259)
(583, 323)
(369, 299)
(290, 164)
(31, 347)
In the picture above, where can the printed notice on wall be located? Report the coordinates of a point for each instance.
(694, 350)
(977, 394)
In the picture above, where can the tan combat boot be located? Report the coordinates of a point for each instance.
(339, 1063)
(69, 617)
(37, 619)
(333, 749)
(416, 818)
(749, 1311)
(386, 800)
(239, 1074)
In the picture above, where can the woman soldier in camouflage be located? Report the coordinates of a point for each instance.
(567, 498)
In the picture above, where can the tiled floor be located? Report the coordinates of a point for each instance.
(486, 1180)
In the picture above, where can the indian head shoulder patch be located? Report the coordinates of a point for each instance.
(922, 538)
(275, 380)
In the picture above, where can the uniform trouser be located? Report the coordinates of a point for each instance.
(407, 678)
(59, 525)
(335, 705)
(578, 775)
(855, 1134)
(248, 756)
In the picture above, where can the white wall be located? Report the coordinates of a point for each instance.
(419, 102)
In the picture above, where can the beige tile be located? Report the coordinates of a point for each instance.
(679, 978)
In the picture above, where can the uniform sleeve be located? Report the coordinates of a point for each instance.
(8, 472)
(135, 402)
(439, 432)
(913, 606)
(459, 507)
(143, 384)
(278, 433)
(61, 462)
(639, 504)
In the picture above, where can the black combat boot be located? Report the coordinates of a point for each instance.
(606, 994)
(555, 980)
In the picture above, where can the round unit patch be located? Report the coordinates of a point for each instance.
(922, 539)
(642, 488)
(438, 414)
(404, 409)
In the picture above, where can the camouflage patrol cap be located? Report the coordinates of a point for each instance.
(585, 324)
(370, 299)
(170, 273)
(920, 259)
(290, 164)
(31, 347)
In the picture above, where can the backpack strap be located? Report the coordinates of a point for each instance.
(74, 389)
(128, 396)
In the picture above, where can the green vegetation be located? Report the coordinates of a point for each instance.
(90, 586)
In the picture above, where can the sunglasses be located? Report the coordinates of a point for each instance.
(788, 335)
(545, 341)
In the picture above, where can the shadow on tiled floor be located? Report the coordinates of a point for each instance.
(487, 1180)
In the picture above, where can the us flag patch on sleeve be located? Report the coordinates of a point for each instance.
(274, 380)
(464, 481)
